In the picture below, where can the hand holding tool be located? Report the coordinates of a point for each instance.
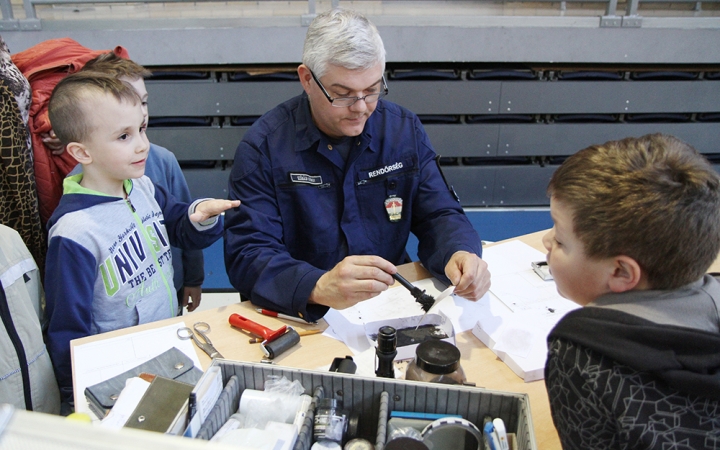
(426, 301)
(200, 329)
(442, 295)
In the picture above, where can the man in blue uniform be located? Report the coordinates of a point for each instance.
(333, 182)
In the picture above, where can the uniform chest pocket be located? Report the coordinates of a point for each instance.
(310, 218)
(385, 205)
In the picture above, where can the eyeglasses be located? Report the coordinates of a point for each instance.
(342, 102)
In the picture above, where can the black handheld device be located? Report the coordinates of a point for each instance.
(386, 352)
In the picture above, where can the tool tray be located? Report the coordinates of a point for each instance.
(373, 399)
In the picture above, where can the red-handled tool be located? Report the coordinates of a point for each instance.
(255, 328)
(275, 342)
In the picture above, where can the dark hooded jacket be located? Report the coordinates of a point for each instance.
(619, 381)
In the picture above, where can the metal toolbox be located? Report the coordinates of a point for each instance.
(374, 398)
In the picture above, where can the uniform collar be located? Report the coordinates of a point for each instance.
(308, 135)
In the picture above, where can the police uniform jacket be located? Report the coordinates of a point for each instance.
(304, 208)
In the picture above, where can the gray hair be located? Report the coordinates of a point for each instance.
(344, 38)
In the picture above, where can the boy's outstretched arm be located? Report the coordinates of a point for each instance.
(211, 208)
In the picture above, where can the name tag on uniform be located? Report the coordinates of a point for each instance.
(385, 170)
(305, 178)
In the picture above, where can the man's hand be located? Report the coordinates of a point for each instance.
(211, 208)
(469, 274)
(191, 297)
(352, 280)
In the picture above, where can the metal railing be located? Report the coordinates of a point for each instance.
(610, 18)
(32, 22)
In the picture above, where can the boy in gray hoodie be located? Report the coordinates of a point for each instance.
(109, 263)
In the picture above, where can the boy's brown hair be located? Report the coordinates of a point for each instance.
(112, 64)
(68, 106)
(653, 198)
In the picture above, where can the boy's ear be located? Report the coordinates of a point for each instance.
(627, 274)
(79, 152)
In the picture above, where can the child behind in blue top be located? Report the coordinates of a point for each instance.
(636, 226)
(109, 262)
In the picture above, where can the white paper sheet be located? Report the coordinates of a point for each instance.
(515, 319)
(100, 360)
(395, 303)
(352, 334)
(516, 284)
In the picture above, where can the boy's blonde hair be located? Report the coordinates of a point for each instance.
(112, 64)
(68, 107)
(653, 198)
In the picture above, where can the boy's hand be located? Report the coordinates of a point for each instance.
(211, 208)
(52, 142)
(191, 297)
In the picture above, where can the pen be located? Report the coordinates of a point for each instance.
(267, 312)
(491, 437)
(500, 434)
(257, 340)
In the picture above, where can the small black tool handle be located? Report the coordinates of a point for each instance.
(421, 297)
(400, 279)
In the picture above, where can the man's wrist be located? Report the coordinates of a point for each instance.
(314, 295)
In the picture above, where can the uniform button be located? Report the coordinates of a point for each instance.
(358, 143)
(329, 147)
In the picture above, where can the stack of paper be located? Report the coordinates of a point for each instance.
(521, 310)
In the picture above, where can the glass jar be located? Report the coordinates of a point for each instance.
(330, 421)
(436, 361)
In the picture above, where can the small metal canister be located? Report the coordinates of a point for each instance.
(359, 444)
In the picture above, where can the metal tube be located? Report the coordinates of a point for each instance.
(611, 8)
(6, 8)
(632, 7)
(29, 9)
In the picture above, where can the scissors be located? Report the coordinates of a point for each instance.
(200, 338)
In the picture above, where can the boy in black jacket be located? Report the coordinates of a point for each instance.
(636, 226)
